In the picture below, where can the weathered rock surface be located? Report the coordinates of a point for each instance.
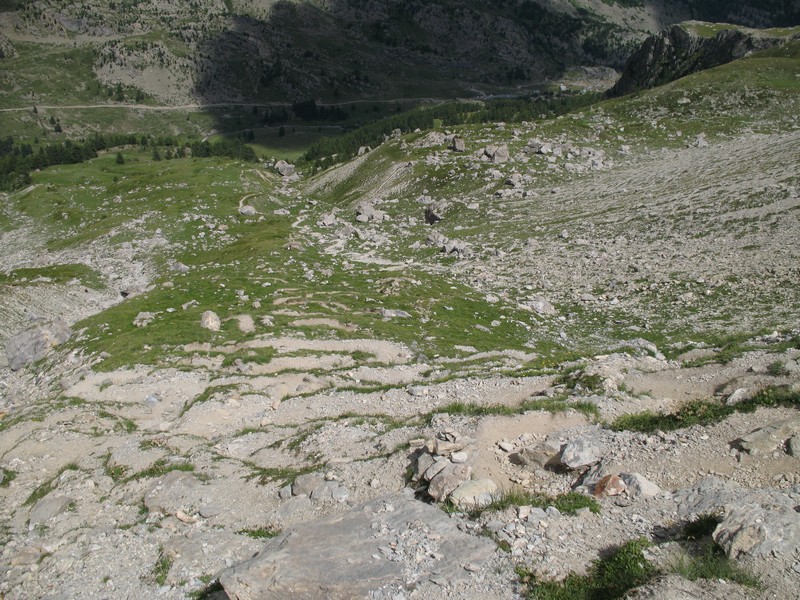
(210, 320)
(35, 342)
(394, 540)
(767, 439)
(581, 453)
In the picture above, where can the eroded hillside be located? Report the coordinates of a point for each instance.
(468, 363)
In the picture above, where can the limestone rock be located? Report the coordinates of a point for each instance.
(306, 484)
(348, 555)
(35, 342)
(459, 145)
(474, 494)
(143, 319)
(793, 446)
(177, 490)
(247, 210)
(766, 439)
(443, 484)
(284, 168)
(48, 508)
(581, 452)
(757, 531)
(210, 320)
(639, 485)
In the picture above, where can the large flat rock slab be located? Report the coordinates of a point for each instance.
(394, 540)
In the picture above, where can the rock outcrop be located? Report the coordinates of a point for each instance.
(394, 540)
(686, 48)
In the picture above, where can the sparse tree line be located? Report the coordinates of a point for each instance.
(19, 160)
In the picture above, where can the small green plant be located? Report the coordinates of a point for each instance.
(161, 467)
(262, 533)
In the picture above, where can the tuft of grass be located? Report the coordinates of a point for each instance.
(609, 578)
(568, 503)
(161, 467)
(553, 405)
(262, 533)
(8, 477)
(710, 562)
(206, 395)
(281, 475)
(162, 567)
(705, 412)
(207, 592)
(48, 486)
(701, 527)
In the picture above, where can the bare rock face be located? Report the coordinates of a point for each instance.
(346, 556)
(35, 342)
(766, 439)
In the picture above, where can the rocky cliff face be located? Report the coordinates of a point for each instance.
(679, 50)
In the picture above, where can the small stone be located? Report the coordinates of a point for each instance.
(610, 485)
(210, 510)
(506, 446)
(306, 484)
(459, 457)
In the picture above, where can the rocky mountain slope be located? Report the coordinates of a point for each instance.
(469, 363)
(689, 47)
(209, 51)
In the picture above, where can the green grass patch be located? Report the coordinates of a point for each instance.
(8, 477)
(705, 412)
(161, 467)
(553, 405)
(48, 486)
(59, 274)
(262, 533)
(206, 395)
(609, 578)
(568, 503)
(282, 475)
(710, 562)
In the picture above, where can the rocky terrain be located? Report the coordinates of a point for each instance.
(210, 51)
(471, 362)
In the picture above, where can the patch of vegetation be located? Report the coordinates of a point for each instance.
(705, 412)
(701, 527)
(207, 592)
(59, 274)
(777, 369)
(48, 486)
(282, 475)
(568, 503)
(709, 561)
(116, 472)
(8, 477)
(263, 533)
(161, 467)
(553, 405)
(611, 577)
(162, 567)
